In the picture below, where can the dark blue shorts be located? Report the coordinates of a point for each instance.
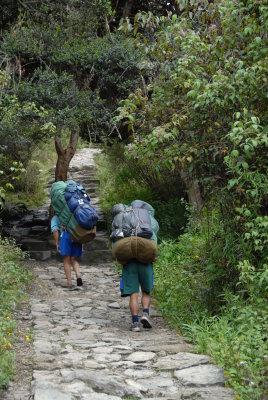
(68, 247)
(135, 275)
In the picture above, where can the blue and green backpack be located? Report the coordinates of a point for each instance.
(72, 205)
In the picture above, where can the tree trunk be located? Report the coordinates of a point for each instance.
(127, 8)
(65, 155)
(193, 191)
(64, 159)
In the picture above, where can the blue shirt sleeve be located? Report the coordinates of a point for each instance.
(55, 224)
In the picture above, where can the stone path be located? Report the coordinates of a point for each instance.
(83, 348)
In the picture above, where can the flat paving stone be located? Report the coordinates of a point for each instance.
(211, 393)
(181, 361)
(141, 356)
(204, 375)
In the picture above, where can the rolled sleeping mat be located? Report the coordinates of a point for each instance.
(135, 247)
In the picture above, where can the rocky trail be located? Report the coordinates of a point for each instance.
(82, 346)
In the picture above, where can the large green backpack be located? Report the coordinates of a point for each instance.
(67, 219)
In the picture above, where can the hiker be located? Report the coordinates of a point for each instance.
(68, 249)
(134, 239)
(135, 274)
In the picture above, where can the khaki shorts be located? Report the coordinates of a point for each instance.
(136, 275)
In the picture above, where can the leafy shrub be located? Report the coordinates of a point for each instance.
(225, 315)
(30, 187)
(118, 180)
(7, 356)
(207, 120)
(122, 181)
(171, 216)
(236, 339)
(13, 280)
(180, 283)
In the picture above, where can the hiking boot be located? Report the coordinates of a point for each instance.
(79, 281)
(146, 321)
(135, 327)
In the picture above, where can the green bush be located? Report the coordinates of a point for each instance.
(236, 339)
(13, 281)
(119, 183)
(226, 318)
(180, 283)
(171, 216)
(30, 187)
(122, 181)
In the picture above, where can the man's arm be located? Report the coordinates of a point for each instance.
(56, 236)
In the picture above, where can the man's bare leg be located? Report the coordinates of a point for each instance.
(75, 265)
(67, 269)
(146, 301)
(134, 304)
(76, 269)
(134, 310)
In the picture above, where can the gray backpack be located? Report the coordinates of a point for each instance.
(132, 220)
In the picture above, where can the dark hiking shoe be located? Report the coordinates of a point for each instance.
(79, 282)
(146, 321)
(135, 327)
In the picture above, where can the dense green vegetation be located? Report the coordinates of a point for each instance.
(177, 92)
(223, 313)
(122, 181)
(13, 281)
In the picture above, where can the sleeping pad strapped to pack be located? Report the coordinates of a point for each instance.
(72, 205)
(135, 248)
(134, 232)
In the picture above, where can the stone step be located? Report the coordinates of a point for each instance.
(81, 178)
(101, 224)
(34, 244)
(39, 230)
(55, 255)
(90, 190)
(17, 232)
(99, 211)
(90, 181)
(31, 220)
(99, 243)
(97, 256)
(27, 220)
(92, 196)
(95, 204)
(51, 244)
(89, 177)
(42, 255)
(86, 169)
